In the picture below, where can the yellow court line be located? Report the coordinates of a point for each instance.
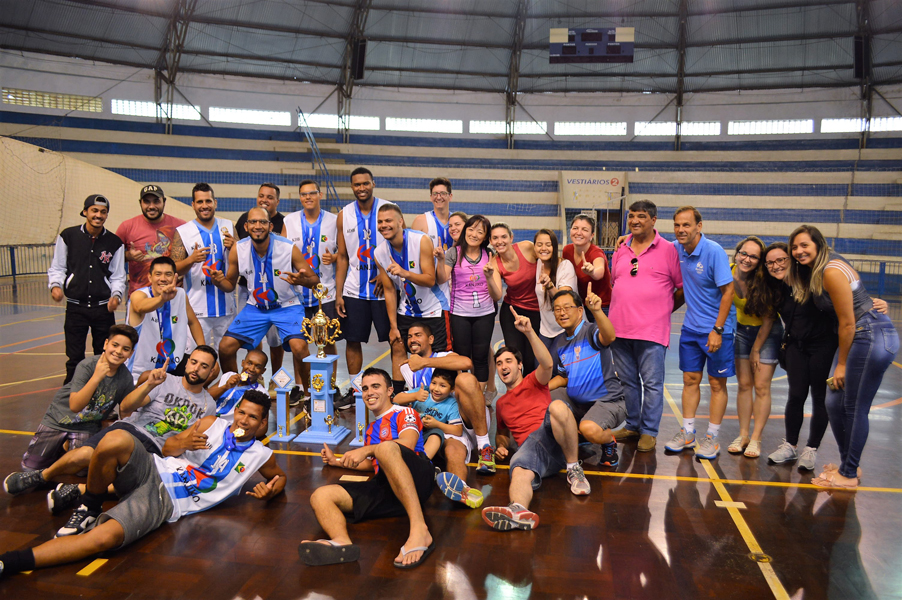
(14, 432)
(55, 375)
(767, 569)
(40, 305)
(96, 564)
(32, 320)
(897, 364)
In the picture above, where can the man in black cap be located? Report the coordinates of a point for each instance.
(88, 269)
(147, 236)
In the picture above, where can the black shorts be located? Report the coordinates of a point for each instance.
(436, 324)
(148, 444)
(374, 499)
(363, 315)
(329, 311)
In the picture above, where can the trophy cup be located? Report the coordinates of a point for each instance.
(317, 330)
(323, 426)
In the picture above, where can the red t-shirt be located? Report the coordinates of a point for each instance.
(153, 239)
(600, 287)
(522, 410)
(521, 284)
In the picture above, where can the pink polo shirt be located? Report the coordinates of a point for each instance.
(641, 305)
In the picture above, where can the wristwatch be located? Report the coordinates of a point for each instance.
(718, 330)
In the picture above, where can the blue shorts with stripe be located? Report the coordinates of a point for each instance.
(252, 323)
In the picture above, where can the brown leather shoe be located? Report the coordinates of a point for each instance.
(625, 434)
(646, 443)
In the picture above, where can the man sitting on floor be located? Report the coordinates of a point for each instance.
(545, 431)
(403, 482)
(198, 478)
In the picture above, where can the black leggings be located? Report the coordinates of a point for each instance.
(472, 337)
(807, 368)
(515, 339)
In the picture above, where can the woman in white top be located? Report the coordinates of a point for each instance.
(552, 276)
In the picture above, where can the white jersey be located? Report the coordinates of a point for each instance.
(440, 237)
(206, 299)
(201, 479)
(225, 406)
(415, 301)
(421, 378)
(313, 239)
(162, 334)
(361, 238)
(266, 288)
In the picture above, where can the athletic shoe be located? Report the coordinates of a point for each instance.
(579, 485)
(807, 458)
(505, 518)
(786, 452)
(709, 448)
(456, 489)
(646, 443)
(681, 441)
(66, 495)
(345, 402)
(23, 481)
(486, 464)
(609, 456)
(79, 522)
(623, 434)
(295, 396)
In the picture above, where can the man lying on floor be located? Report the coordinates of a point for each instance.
(403, 482)
(199, 478)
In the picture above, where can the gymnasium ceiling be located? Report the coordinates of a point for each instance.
(472, 44)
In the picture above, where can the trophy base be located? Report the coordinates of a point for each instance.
(283, 438)
(357, 442)
(309, 436)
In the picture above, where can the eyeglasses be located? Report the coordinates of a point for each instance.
(742, 254)
(257, 222)
(309, 194)
(777, 261)
(559, 310)
(440, 195)
(635, 270)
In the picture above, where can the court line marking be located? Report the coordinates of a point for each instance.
(40, 305)
(55, 375)
(47, 318)
(722, 504)
(301, 414)
(24, 353)
(27, 393)
(95, 564)
(32, 340)
(767, 569)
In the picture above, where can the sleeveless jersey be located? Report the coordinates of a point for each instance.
(421, 378)
(163, 333)
(440, 237)
(415, 301)
(266, 289)
(360, 240)
(206, 299)
(201, 479)
(225, 406)
(313, 239)
(469, 289)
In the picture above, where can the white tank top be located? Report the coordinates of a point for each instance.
(163, 333)
(313, 239)
(201, 479)
(440, 237)
(361, 238)
(206, 299)
(266, 289)
(415, 301)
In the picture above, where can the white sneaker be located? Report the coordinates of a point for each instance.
(785, 453)
(579, 485)
(808, 458)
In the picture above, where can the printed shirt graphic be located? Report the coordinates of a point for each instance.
(225, 406)
(389, 425)
(206, 299)
(201, 479)
(587, 365)
(447, 411)
(313, 239)
(171, 410)
(110, 392)
(153, 239)
(469, 289)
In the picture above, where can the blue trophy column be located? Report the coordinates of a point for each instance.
(322, 412)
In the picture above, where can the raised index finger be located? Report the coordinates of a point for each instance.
(589, 289)
(516, 316)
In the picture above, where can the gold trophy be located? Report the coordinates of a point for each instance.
(317, 330)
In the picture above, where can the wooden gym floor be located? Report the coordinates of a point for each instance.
(656, 526)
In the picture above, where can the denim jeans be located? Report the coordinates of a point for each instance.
(635, 360)
(874, 347)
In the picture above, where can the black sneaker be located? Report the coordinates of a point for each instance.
(66, 495)
(23, 481)
(80, 521)
(609, 455)
(345, 402)
(295, 396)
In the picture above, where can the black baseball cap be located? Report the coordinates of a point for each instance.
(154, 190)
(95, 200)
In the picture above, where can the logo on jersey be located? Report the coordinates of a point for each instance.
(323, 238)
(265, 296)
(276, 272)
(412, 265)
(105, 257)
(165, 347)
(364, 254)
(699, 268)
(411, 292)
(175, 319)
(210, 266)
(240, 468)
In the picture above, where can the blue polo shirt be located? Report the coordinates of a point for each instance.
(704, 271)
(587, 365)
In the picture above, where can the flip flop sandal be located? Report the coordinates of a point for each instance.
(317, 554)
(753, 450)
(425, 550)
(829, 483)
(834, 468)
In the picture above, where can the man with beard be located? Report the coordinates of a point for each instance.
(147, 236)
(273, 267)
(210, 238)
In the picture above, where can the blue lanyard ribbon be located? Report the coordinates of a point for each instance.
(443, 234)
(366, 229)
(265, 297)
(166, 345)
(310, 234)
